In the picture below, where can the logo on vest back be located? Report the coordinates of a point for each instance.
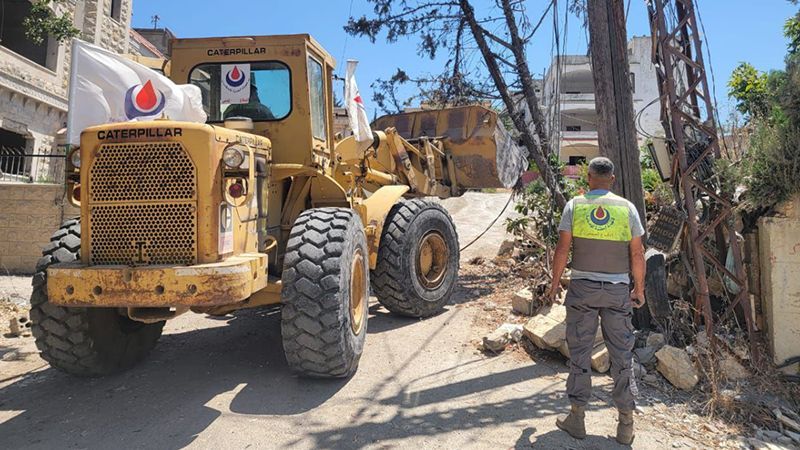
(599, 216)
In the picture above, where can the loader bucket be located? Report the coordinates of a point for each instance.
(484, 153)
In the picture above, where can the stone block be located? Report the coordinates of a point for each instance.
(548, 330)
(497, 340)
(677, 367)
(522, 302)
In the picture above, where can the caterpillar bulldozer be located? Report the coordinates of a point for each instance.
(262, 205)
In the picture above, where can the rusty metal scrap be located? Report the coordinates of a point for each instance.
(687, 113)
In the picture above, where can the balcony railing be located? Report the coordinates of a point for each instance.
(20, 167)
(579, 135)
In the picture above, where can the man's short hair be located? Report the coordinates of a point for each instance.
(601, 167)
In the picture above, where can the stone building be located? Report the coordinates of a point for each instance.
(34, 80)
(33, 107)
(568, 101)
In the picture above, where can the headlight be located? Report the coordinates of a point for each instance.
(233, 157)
(75, 158)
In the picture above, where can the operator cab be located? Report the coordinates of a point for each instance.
(282, 83)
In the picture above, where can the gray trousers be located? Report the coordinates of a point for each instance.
(586, 300)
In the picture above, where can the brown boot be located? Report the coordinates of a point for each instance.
(625, 428)
(574, 422)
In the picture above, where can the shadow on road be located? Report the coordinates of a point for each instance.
(236, 367)
(169, 398)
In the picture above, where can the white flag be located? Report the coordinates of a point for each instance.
(106, 87)
(355, 105)
(235, 81)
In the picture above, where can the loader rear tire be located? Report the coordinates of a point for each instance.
(418, 259)
(325, 293)
(83, 341)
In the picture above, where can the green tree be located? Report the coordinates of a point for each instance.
(748, 87)
(43, 22)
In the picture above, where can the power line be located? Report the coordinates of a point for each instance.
(346, 36)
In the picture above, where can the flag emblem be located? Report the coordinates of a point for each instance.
(143, 100)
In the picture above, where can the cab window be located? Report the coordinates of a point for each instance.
(316, 83)
(261, 91)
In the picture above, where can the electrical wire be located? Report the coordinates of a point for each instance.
(510, 197)
(346, 35)
(715, 112)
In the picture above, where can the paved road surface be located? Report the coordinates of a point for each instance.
(224, 383)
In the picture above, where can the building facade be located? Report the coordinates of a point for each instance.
(568, 101)
(34, 80)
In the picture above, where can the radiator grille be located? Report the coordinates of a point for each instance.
(142, 171)
(143, 234)
(142, 205)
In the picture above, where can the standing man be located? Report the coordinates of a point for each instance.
(605, 235)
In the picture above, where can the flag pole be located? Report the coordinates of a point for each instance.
(73, 75)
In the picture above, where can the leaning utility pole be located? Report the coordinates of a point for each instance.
(616, 131)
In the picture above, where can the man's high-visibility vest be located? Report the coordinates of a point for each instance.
(601, 234)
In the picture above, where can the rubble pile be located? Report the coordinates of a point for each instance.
(16, 319)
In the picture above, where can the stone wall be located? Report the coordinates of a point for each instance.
(29, 214)
(33, 99)
(779, 248)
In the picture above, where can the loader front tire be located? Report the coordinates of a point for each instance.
(418, 259)
(325, 293)
(83, 341)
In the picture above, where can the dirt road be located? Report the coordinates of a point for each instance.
(224, 383)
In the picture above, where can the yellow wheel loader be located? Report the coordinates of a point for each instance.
(262, 205)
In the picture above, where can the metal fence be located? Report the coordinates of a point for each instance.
(43, 167)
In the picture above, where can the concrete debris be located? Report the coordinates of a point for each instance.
(19, 326)
(732, 369)
(522, 302)
(548, 330)
(497, 340)
(677, 367)
(646, 355)
(656, 340)
(489, 306)
(506, 248)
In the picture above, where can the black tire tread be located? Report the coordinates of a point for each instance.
(311, 319)
(387, 280)
(63, 335)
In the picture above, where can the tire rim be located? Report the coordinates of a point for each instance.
(432, 257)
(357, 292)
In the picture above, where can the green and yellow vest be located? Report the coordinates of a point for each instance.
(601, 234)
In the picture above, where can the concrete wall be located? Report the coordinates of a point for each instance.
(779, 248)
(29, 214)
(646, 88)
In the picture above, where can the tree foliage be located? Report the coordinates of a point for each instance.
(749, 87)
(771, 165)
(43, 22)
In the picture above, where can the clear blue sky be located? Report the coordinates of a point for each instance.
(738, 30)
